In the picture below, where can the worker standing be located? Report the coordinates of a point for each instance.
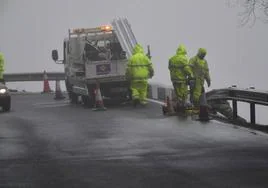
(139, 70)
(200, 70)
(2, 68)
(180, 74)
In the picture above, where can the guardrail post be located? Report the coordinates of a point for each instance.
(252, 113)
(234, 109)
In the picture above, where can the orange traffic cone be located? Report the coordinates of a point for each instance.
(58, 93)
(99, 105)
(46, 88)
(203, 108)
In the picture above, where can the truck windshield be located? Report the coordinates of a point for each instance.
(101, 50)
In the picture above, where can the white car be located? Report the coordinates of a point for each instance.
(5, 99)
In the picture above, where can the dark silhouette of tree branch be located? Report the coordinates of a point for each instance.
(249, 13)
(252, 10)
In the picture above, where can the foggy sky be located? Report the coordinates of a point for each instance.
(30, 29)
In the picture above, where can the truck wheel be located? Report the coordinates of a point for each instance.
(126, 97)
(87, 101)
(68, 88)
(73, 98)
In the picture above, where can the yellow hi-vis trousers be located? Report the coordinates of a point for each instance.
(139, 90)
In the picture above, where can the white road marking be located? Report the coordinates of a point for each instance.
(54, 102)
(51, 105)
(156, 101)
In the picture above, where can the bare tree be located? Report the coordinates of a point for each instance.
(252, 10)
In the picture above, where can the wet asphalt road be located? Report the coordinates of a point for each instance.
(47, 143)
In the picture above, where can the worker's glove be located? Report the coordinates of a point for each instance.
(151, 73)
(208, 83)
(191, 82)
(128, 78)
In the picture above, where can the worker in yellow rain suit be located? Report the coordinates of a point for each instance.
(200, 69)
(180, 74)
(2, 63)
(139, 70)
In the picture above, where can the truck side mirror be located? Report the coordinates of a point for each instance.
(55, 55)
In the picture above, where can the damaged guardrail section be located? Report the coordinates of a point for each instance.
(234, 94)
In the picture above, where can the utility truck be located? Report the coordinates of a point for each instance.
(97, 55)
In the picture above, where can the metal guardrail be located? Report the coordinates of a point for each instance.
(34, 76)
(234, 94)
(243, 95)
(251, 96)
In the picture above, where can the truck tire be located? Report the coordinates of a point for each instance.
(87, 101)
(73, 97)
